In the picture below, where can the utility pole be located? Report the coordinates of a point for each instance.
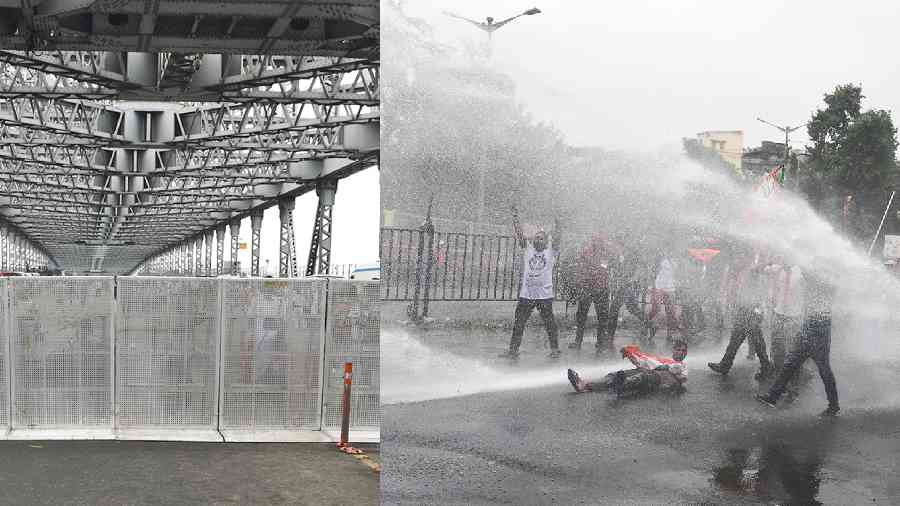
(787, 148)
(489, 26)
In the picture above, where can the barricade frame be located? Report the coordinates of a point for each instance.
(358, 433)
(51, 432)
(5, 374)
(151, 432)
(254, 433)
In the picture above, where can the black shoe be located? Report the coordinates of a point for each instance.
(718, 367)
(765, 399)
(510, 354)
(575, 381)
(830, 411)
(574, 346)
(555, 353)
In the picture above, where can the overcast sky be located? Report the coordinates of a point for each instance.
(642, 74)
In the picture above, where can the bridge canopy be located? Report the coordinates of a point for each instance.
(128, 127)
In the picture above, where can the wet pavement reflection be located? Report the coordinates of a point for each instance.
(784, 470)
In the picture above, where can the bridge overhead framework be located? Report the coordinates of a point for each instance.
(133, 133)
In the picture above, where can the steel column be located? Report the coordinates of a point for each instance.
(198, 255)
(16, 252)
(285, 209)
(208, 240)
(220, 249)
(293, 245)
(319, 260)
(256, 224)
(235, 245)
(4, 239)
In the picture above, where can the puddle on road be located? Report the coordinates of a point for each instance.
(780, 471)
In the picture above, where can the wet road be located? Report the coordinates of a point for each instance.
(545, 444)
(142, 472)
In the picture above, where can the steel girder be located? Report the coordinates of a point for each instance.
(235, 229)
(319, 259)
(64, 188)
(285, 210)
(104, 183)
(315, 27)
(87, 75)
(256, 227)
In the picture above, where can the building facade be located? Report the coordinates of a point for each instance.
(729, 144)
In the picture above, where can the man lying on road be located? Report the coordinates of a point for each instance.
(651, 374)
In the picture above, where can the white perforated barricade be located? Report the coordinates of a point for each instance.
(167, 355)
(352, 335)
(60, 331)
(272, 331)
(4, 372)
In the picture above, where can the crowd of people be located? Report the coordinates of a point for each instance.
(733, 282)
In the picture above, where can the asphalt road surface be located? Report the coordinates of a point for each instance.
(152, 473)
(533, 440)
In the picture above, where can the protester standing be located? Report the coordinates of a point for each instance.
(538, 262)
(814, 340)
(592, 273)
(746, 290)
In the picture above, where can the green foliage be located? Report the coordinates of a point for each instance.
(852, 154)
(449, 123)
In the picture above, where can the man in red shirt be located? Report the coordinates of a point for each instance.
(651, 374)
(592, 284)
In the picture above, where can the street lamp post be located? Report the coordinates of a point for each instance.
(787, 147)
(489, 26)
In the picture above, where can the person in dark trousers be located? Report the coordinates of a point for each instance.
(538, 261)
(651, 374)
(787, 307)
(592, 285)
(625, 286)
(746, 290)
(814, 341)
(663, 294)
(692, 292)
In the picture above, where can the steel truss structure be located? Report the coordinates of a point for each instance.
(132, 131)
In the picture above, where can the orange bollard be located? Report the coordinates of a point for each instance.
(345, 410)
(344, 444)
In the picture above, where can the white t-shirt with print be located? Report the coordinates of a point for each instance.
(665, 277)
(537, 273)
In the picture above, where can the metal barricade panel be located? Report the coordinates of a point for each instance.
(4, 362)
(167, 333)
(272, 331)
(61, 338)
(352, 335)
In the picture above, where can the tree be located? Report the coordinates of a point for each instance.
(852, 155)
(450, 124)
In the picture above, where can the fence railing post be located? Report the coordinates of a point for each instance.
(429, 234)
(414, 307)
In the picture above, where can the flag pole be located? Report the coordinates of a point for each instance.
(878, 232)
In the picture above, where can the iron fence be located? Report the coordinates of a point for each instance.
(421, 264)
